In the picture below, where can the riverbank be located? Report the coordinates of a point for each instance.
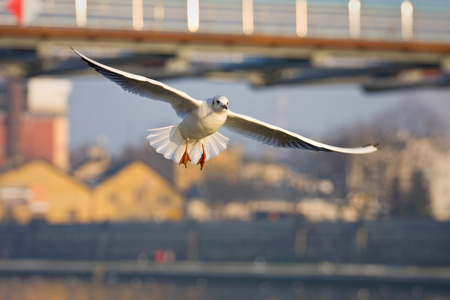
(100, 270)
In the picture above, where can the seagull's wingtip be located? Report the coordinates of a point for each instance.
(373, 147)
(77, 53)
(377, 146)
(369, 148)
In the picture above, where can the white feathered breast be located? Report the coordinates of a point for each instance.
(202, 122)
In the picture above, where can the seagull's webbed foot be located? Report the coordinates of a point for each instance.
(185, 158)
(202, 160)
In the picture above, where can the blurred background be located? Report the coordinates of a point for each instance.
(88, 210)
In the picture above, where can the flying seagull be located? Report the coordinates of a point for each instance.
(196, 138)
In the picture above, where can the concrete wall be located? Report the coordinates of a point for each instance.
(422, 243)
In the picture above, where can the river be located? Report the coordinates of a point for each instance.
(174, 288)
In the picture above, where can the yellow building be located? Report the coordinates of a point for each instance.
(37, 190)
(133, 191)
(126, 192)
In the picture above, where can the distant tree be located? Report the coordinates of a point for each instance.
(418, 199)
(396, 199)
(412, 116)
(409, 118)
(415, 202)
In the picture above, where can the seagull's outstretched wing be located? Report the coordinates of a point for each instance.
(279, 137)
(140, 85)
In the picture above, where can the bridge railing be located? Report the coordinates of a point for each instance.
(429, 20)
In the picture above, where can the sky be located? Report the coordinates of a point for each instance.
(100, 111)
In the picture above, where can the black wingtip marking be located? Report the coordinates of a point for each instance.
(377, 145)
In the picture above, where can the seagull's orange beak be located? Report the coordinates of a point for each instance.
(224, 106)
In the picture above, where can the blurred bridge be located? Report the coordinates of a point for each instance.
(383, 44)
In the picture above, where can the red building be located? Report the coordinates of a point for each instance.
(38, 129)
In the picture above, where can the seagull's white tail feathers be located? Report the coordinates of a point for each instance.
(213, 144)
(166, 140)
(169, 142)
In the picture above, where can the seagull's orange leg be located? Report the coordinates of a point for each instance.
(185, 158)
(201, 161)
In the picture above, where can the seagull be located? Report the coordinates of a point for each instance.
(196, 138)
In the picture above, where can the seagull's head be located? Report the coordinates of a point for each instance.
(219, 103)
